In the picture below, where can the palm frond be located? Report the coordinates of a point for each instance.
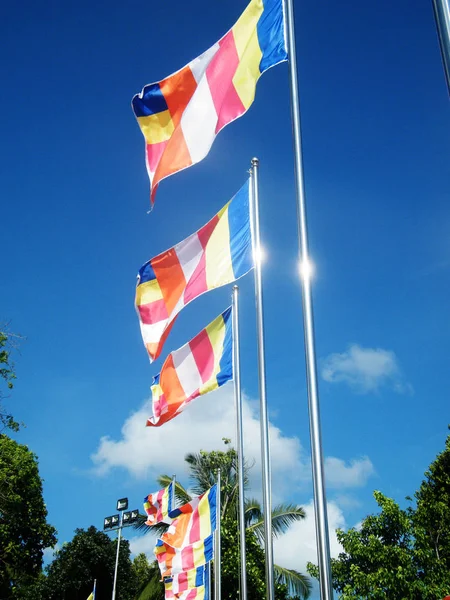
(253, 511)
(283, 516)
(297, 583)
(181, 494)
(141, 527)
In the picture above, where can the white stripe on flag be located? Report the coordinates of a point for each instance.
(151, 333)
(189, 254)
(187, 370)
(200, 109)
(199, 64)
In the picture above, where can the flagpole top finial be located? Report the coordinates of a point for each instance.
(235, 287)
(255, 162)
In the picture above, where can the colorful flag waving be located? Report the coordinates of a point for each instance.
(193, 521)
(158, 505)
(217, 254)
(175, 560)
(189, 585)
(200, 366)
(181, 115)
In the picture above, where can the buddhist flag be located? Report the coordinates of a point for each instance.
(217, 254)
(194, 521)
(189, 585)
(176, 560)
(200, 366)
(181, 115)
(158, 505)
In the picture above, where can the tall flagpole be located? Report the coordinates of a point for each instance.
(95, 587)
(264, 419)
(320, 503)
(239, 438)
(217, 550)
(442, 16)
(117, 559)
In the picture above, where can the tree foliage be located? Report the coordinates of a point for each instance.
(203, 469)
(7, 376)
(400, 554)
(89, 556)
(24, 531)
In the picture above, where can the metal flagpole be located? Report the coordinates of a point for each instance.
(117, 559)
(239, 438)
(217, 554)
(320, 504)
(208, 575)
(95, 587)
(264, 419)
(442, 16)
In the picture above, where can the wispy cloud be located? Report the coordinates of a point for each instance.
(365, 370)
(339, 474)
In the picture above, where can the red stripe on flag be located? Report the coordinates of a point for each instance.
(154, 153)
(197, 282)
(187, 558)
(219, 74)
(204, 234)
(194, 533)
(203, 353)
(154, 312)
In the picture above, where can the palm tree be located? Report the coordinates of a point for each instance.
(203, 473)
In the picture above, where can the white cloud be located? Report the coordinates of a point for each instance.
(143, 543)
(298, 545)
(340, 475)
(365, 369)
(146, 452)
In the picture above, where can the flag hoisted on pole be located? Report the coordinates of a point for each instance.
(239, 439)
(264, 417)
(320, 503)
(442, 16)
(181, 115)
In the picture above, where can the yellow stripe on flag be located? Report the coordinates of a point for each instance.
(219, 267)
(157, 127)
(148, 292)
(216, 332)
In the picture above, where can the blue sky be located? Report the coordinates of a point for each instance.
(75, 230)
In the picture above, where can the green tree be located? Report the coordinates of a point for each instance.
(90, 555)
(7, 375)
(400, 554)
(153, 588)
(145, 573)
(431, 523)
(203, 474)
(24, 531)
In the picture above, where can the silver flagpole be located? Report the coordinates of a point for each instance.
(217, 553)
(442, 16)
(264, 419)
(239, 438)
(320, 503)
(208, 566)
(117, 559)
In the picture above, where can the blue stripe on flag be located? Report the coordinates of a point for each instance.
(270, 29)
(240, 233)
(146, 273)
(200, 576)
(226, 361)
(152, 101)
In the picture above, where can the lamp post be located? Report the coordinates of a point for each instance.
(123, 519)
